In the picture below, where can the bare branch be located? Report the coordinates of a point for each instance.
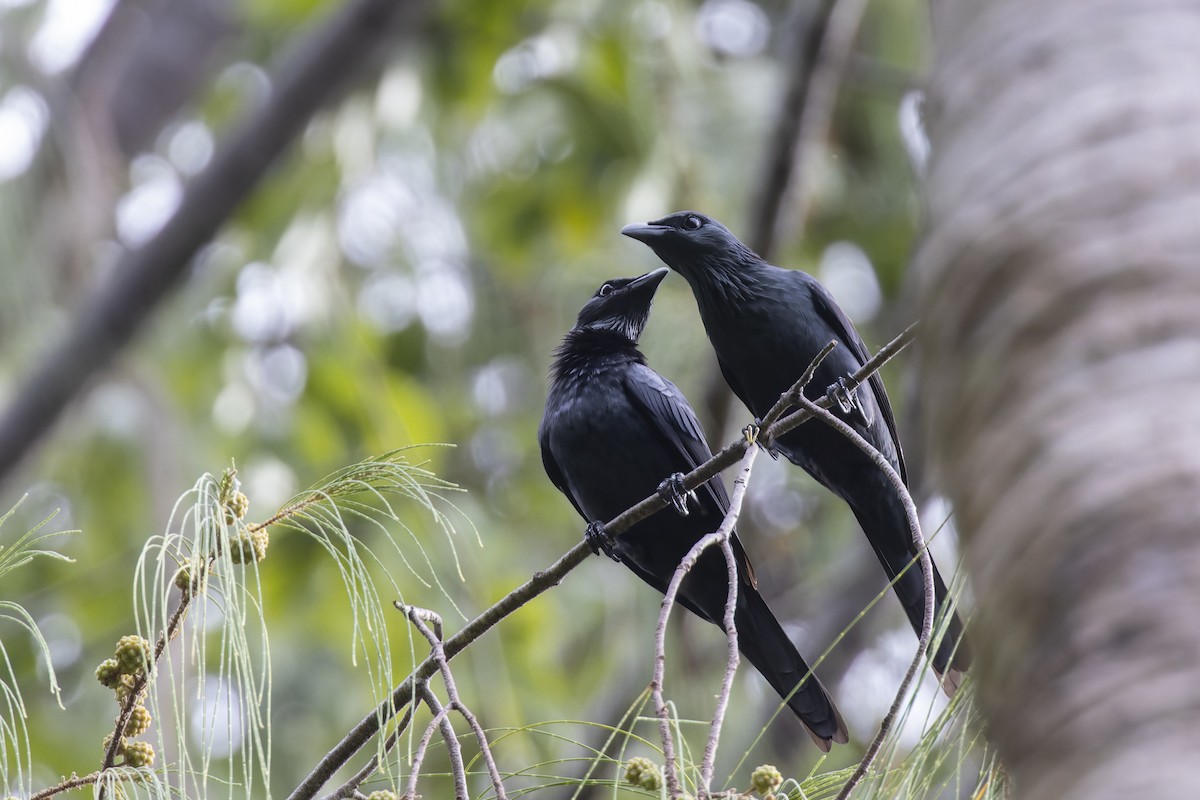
(441, 720)
(73, 782)
(786, 399)
(303, 81)
(718, 537)
(418, 617)
(350, 787)
(138, 690)
(914, 526)
(815, 119)
(731, 665)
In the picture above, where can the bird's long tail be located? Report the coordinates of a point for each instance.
(886, 526)
(765, 645)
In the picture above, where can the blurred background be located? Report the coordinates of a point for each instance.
(402, 277)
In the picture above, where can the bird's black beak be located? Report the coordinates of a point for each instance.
(646, 232)
(650, 281)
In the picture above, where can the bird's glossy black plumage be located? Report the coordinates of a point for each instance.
(613, 430)
(766, 325)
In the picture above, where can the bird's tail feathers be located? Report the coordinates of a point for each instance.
(765, 644)
(886, 526)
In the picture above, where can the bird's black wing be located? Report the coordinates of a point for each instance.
(833, 316)
(553, 471)
(667, 410)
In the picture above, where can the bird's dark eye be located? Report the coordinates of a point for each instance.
(692, 223)
(605, 290)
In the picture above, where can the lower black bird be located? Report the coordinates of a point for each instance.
(613, 430)
(766, 325)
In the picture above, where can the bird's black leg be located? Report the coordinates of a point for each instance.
(671, 491)
(846, 399)
(599, 540)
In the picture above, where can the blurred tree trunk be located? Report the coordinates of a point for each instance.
(1061, 313)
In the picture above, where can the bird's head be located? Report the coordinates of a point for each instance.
(621, 305)
(693, 244)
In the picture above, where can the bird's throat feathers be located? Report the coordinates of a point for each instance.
(724, 279)
(587, 351)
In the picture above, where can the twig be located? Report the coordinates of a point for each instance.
(441, 720)
(914, 526)
(140, 683)
(786, 400)
(860, 377)
(718, 537)
(731, 631)
(302, 81)
(350, 787)
(366, 728)
(418, 617)
(73, 782)
(539, 582)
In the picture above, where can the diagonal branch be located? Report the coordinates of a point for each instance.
(350, 787)
(303, 81)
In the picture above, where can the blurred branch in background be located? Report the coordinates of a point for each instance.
(146, 63)
(821, 42)
(312, 74)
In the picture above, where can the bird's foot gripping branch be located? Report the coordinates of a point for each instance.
(600, 540)
(673, 492)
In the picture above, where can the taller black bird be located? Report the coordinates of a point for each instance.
(613, 430)
(766, 325)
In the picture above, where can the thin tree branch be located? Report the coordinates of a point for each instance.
(418, 616)
(140, 683)
(914, 526)
(726, 531)
(73, 782)
(441, 720)
(540, 581)
(303, 81)
(352, 784)
(718, 537)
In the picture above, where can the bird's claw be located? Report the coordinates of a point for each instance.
(600, 541)
(672, 492)
(842, 395)
(847, 401)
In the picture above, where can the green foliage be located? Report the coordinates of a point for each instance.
(225, 664)
(16, 753)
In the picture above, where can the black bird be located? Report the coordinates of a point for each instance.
(766, 325)
(613, 430)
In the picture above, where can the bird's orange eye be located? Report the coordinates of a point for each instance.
(692, 223)
(605, 290)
